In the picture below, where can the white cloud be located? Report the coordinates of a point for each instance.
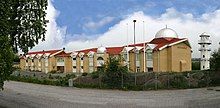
(185, 24)
(91, 25)
(55, 35)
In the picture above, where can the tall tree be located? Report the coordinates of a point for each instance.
(215, 60)
(22, 25)
(114, 73)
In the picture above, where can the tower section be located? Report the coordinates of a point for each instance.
(205, 51)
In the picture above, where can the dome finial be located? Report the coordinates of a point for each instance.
(101, 49)
(166, 32)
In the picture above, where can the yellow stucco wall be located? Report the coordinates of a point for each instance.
(181, 52)
(86, 64)
(131, 62)
(22, 64)
(170, 58)
(35, 64)
(68, 65)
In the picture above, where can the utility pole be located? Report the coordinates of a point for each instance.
(135, 70)
(127, 60)
(144, 47)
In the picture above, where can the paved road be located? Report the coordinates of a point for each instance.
(26, 95)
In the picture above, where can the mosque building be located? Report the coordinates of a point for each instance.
(165, 53)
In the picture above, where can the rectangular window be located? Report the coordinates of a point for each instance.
(137, 57)
(90, 61)
(90, 69)
(46, 62)
(149, 56)
(125, 56)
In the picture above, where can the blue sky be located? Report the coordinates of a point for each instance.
(76, 15)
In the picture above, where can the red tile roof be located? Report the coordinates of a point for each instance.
(114, 50)
(86, 51)
(63, 54)
(160, 42)
(110, 50)
(43, 52)
(138, 44)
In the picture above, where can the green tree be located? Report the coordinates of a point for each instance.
(114, 73)
(215, 60)
(22, 25)
(195, 65)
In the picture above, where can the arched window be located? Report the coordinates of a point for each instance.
(100, 61)
(100, 58)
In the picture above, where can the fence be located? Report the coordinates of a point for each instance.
(154, 80)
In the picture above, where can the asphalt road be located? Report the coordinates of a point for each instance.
(26, 95)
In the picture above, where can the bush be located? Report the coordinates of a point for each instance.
(178, 81)
(95, 75)
(60, 81)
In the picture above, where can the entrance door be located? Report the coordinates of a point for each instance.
(182, 65)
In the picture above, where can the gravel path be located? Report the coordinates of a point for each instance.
(26, 95)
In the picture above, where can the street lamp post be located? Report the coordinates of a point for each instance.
(144, 48)
(135, 70)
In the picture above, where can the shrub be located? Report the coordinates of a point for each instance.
(60, 81)
(178, 81)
